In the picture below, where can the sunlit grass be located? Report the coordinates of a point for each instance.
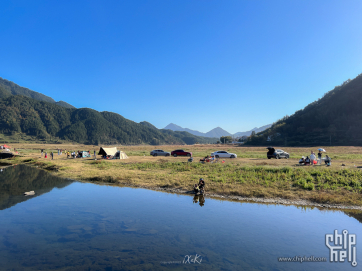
(250, 175)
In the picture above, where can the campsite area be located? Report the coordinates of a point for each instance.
(251, 175)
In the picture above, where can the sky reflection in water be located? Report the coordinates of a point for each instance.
(80, 226)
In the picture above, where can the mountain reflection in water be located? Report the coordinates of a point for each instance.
(85, 226)
(14, 181)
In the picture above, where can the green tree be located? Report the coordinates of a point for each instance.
(225, 139)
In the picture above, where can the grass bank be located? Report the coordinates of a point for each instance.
(244, 177)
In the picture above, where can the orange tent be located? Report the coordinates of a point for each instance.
(6, 146)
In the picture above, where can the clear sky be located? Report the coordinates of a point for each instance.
(198, 64)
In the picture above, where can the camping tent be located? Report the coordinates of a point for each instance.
(83, 154)
(107, 151)
(120, 155)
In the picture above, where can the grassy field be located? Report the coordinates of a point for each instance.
(249, 175)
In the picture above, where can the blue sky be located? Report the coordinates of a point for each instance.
(198, 64)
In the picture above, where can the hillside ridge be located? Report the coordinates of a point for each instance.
(8, 88)
(334, 119)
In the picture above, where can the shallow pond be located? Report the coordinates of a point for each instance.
(82, 226)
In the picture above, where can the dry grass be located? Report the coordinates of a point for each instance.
(250, 175)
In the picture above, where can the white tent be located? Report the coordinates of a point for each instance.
(107, 151)
(120, 155)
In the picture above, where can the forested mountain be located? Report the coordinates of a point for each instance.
(335, 119)
(42, 120)
(174, 127)
(64, 104)
(190, 138)
(8, 88)
(147, 124)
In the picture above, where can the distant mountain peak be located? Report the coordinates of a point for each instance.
(174, 127)
(216, 132)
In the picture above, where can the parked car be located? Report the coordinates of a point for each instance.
(223, 154)
(181, 153)
(276, 153)
(159, 153)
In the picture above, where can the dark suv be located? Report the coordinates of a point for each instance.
(181, 153)
(276, 153)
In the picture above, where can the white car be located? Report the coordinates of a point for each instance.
(159, 153)
(223, 154)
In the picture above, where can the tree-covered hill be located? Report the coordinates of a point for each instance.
(190, 138)
(8, 88)
(147, 124)
(335, 119)
(43, 120)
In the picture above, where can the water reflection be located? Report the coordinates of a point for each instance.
(90, 227)
(200, 199)
(16, 180)
(355, 214)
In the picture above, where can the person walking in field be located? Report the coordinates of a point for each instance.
(42, 152)
(46, 155)
(312, 158)
(52, 155)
